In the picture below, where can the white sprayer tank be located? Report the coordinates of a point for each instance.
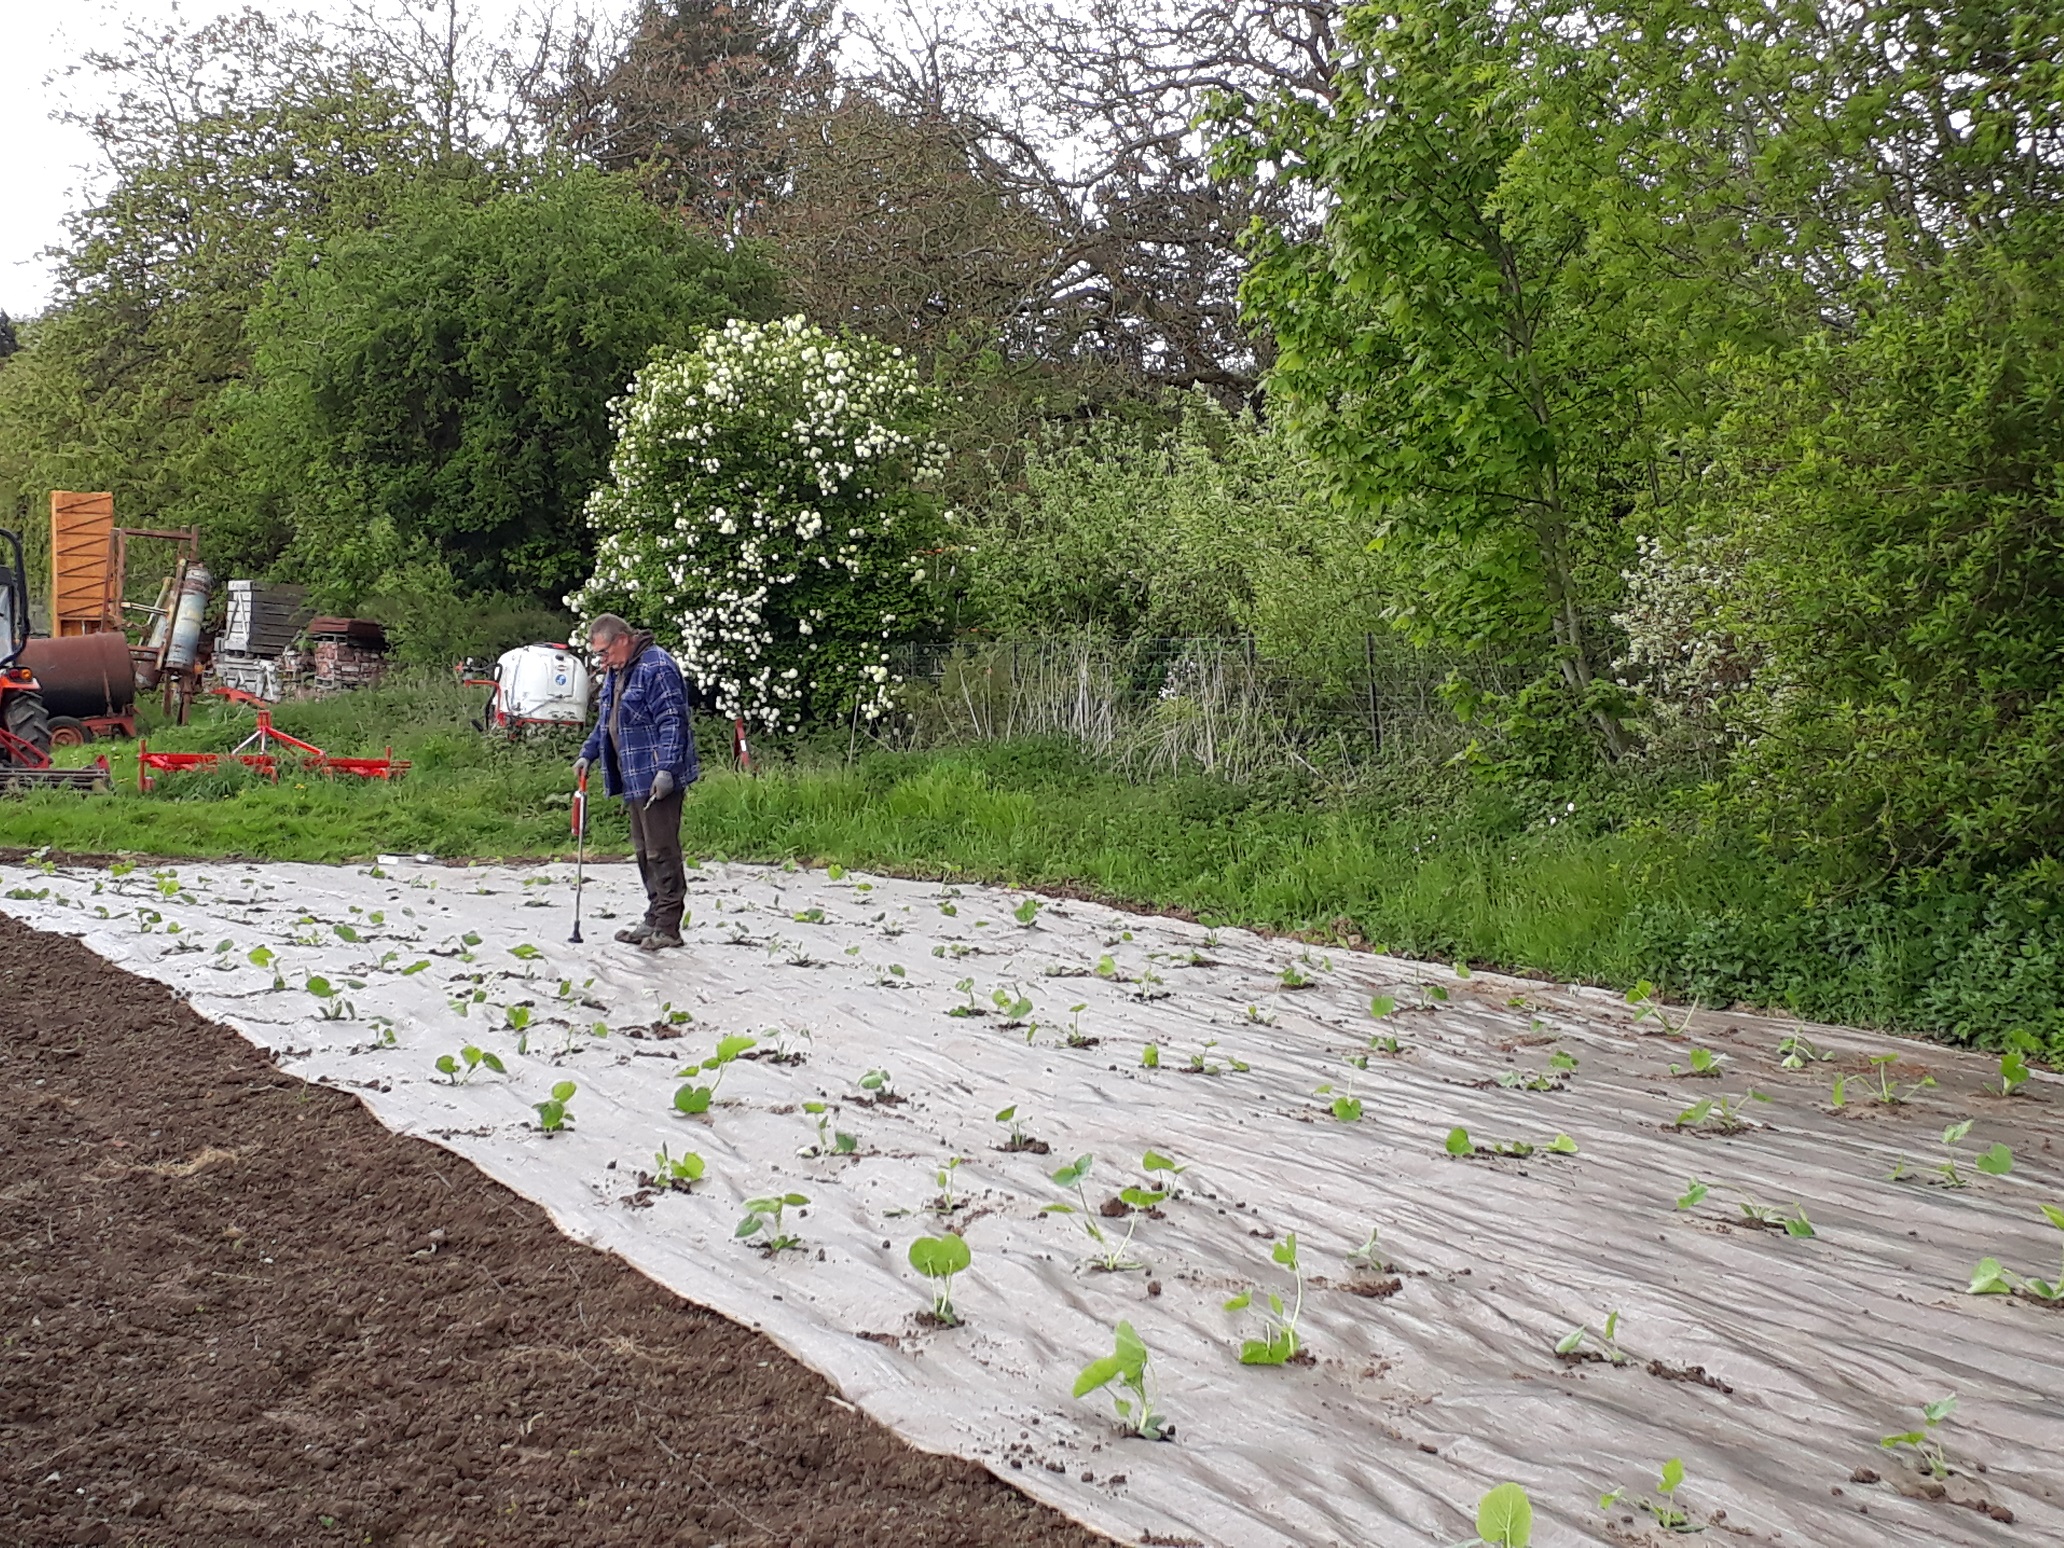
(540, 685)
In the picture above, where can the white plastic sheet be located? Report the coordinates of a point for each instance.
(1416, 1402)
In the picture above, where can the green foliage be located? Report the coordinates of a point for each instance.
(432, 394)
(1989, 1278)
(939, 1258)
(1129, 1368)
(763, 1225)
(1279, 1341)
(764, 514)
(552, 1113)
(1505, 1517)
(1927, 1450)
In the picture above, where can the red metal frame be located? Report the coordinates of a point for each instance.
(313, 759)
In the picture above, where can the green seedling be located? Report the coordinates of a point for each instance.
(1794, 1224)
(939, 1258)
(1648, 1009)
(1431, 995)
(967, 987)
(575, 1032)
(1292, 979)
(1462, 1147)
(1796, 1051)
(1369, 1256)
(1989, 1278)
(2013, 1072)
(835, 872)
(1201, 1062)
(1026, 912)
(1879, 1086)
(1128, 1368)
(1386, 1044)
(876, 1084)
(552, 1113)
(945, 1203)
(694, 1097)
(830, 1142)
(516, 1018)
(1927, 1449)
(1529, 1080)
(1110, 1253)
(523, 953)
(1076, 1037)
(1608, 1348)
(1994, 1162)
(1019, 1139)
(677, 1172)
(1382, 1005)
(763, 1220)
(1721, 1114)
(949, 910)
(1150, 1057)
(334, 1006)
(1662, 1505)
(1701, 1061)
(808, 916)
(1504, 1519)
(470, 1061)
(1345, 1106)
(1107, 967)
(1011, 1004)
(1693, 1195)
(1278, 1343)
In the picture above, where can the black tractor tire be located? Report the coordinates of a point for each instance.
(67, 732)
(25, 716)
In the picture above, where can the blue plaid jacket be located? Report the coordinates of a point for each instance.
(655, 731)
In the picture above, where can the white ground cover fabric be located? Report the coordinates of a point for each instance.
(1416, 1402)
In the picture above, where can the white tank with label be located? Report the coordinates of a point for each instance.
(540, 685)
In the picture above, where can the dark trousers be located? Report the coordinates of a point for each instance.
(656, 839)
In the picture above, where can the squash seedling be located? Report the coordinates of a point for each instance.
(1463, 1148)
(1927, 1449)
(1718, 1115)
(1369, 1256)
(1989, 1278)
(1345, 1106)
(1201, 1062)
(1669, 1515)
(334, 1006)
(470, 1061)
(1278, 1343)
(1110, 1254)
(1701, 1062)
(830, 1142)
(945, 1203)
(1150, 1057)
(2013, 1071)
(763, 1220)
(1794, 1224)
(1797, 1051)
(1693, 1195)
(1883, 1089)
(879, 1087)
(1012, 1005)
(967, 987)
(552, 1113)
(939, 1258)
(695, 1098)
(1292, 979)
(1504, 1519)
(1608, 1348)
(679, 1173)
(1076, 1037)
(1996, 1161)
(1019, 1139)
(1647, 1009)
(1129, 1369)
(1026, 912)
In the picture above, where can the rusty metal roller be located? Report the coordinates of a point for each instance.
(83, 675)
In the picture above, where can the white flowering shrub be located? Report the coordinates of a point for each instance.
(766, 517)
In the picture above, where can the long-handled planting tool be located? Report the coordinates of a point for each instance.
(580, 849)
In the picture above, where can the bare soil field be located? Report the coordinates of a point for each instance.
(239, 1310)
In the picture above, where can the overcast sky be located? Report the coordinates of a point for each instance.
(46, 166)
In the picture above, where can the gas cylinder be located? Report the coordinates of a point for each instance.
(185, 645)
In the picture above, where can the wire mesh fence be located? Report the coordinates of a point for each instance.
(1162, 706)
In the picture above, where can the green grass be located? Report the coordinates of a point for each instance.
(1433, 870)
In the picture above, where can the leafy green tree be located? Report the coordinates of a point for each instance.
(434, 391)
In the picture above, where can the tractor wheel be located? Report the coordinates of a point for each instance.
(67, 732)
(25, 716)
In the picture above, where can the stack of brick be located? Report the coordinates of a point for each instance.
(348, 653)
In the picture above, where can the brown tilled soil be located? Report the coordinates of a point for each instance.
(235, 1309)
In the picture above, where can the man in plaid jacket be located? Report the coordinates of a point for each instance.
(645, 742)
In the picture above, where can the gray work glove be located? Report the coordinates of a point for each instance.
(580, 770)
(662, 787)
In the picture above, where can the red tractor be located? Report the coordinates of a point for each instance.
(24, 722)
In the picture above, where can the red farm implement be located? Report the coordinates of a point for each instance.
(257, 751)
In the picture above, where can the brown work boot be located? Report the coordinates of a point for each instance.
(635, 935)
(659, 940)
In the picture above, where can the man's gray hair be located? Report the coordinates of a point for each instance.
(606, 627)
